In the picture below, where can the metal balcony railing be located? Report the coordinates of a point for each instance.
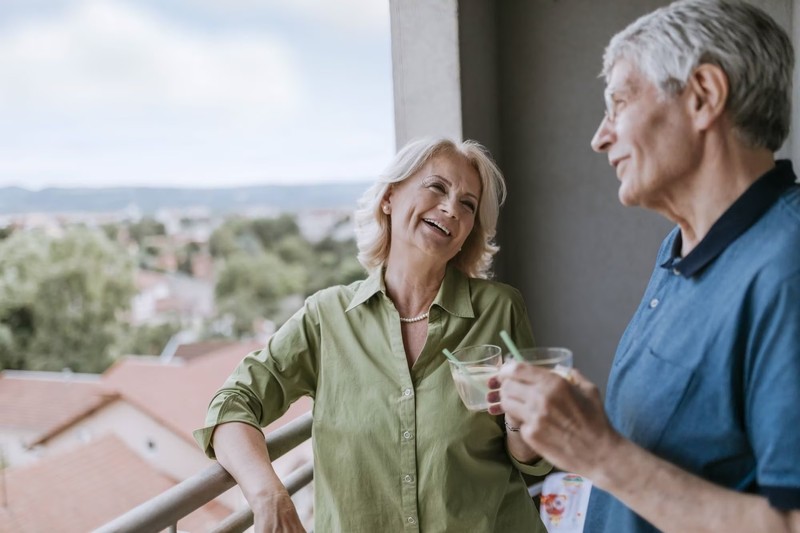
(164, 511)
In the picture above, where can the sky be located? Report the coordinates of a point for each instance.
(193, 93)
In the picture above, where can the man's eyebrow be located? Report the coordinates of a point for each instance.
(618, 91)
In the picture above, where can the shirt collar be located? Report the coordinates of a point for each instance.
(372, 285)
(742, 214)
(453, 296)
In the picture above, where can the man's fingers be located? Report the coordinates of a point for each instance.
(586, 387)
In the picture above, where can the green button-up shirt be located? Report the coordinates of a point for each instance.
(394, 449)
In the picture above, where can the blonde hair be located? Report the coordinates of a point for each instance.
(372, 224)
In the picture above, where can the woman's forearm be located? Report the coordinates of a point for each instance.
(517, 447)
(242, 451)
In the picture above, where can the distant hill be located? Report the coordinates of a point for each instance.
(149, 200)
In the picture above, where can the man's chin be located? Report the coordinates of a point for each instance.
(626, 198)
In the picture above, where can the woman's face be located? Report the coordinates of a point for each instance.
(434, 211)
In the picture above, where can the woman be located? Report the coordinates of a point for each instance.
(394, 447)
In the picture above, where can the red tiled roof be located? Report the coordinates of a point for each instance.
(83, 489)
(44, 402)
(177, 394)
(197, 349)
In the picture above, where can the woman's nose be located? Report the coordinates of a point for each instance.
(449, 207)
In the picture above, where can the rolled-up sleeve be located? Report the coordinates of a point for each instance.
(267, 382)
(540, 468)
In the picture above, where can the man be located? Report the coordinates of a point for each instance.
(701, 428)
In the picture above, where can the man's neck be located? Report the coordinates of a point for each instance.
(721, 178)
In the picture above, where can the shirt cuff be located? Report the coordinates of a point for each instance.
(783, 498)
(539, 468)
(224, 407)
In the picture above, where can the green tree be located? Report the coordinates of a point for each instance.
(61, 300)
(146, 227)
(224, 240)
(251, 287)
(270, 231)
(294, 249)
(148, 339)
(252, 236)
(335, 263)
(6, 232)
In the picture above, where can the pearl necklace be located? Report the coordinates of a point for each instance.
(423, 316)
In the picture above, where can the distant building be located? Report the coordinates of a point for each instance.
(163, 298)
(86, 487)
(150, 404)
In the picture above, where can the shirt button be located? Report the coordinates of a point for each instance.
(407, 435)
(412, 520)
(408, 479)
(676, 271)
(653, 303)
(407, 392)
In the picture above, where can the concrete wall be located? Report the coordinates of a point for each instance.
(425, 65)
(528, 89)
(580, 258)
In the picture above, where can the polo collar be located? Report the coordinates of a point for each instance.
(454, 295)
(742, 214)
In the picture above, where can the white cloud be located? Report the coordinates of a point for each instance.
(365, 17)
(371, 16)
(194, 93)
(110, 53)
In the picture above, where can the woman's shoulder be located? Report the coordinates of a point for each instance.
(337, 294)
(492, 290)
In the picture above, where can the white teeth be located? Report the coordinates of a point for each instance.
(431, 221)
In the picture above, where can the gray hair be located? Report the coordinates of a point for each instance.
(745, 42)
(372, 225)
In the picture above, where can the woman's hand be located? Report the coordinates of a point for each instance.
(242, 451)
(276, 514)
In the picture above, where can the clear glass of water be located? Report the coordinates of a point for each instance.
(559, 360)
(477, 364)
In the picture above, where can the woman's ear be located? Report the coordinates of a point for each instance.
(386, 202)
(708, 86)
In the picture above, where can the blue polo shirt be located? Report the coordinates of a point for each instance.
(707, 374)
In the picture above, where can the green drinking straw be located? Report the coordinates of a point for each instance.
(463, 372)
(452, 357)
(511, 346)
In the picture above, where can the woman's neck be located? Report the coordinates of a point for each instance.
(412, 288)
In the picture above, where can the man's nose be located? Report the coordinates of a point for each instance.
(603, 137)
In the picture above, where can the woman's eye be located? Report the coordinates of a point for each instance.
(470, 206)
(438, 186)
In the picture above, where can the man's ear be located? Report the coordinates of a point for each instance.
(708, 97)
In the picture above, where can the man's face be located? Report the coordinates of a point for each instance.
(648, 138)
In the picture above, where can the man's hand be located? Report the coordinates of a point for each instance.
(562, 419)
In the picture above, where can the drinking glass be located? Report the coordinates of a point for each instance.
(559, 360)
(476, 365)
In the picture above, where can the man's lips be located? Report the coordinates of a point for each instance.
(616, 161)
